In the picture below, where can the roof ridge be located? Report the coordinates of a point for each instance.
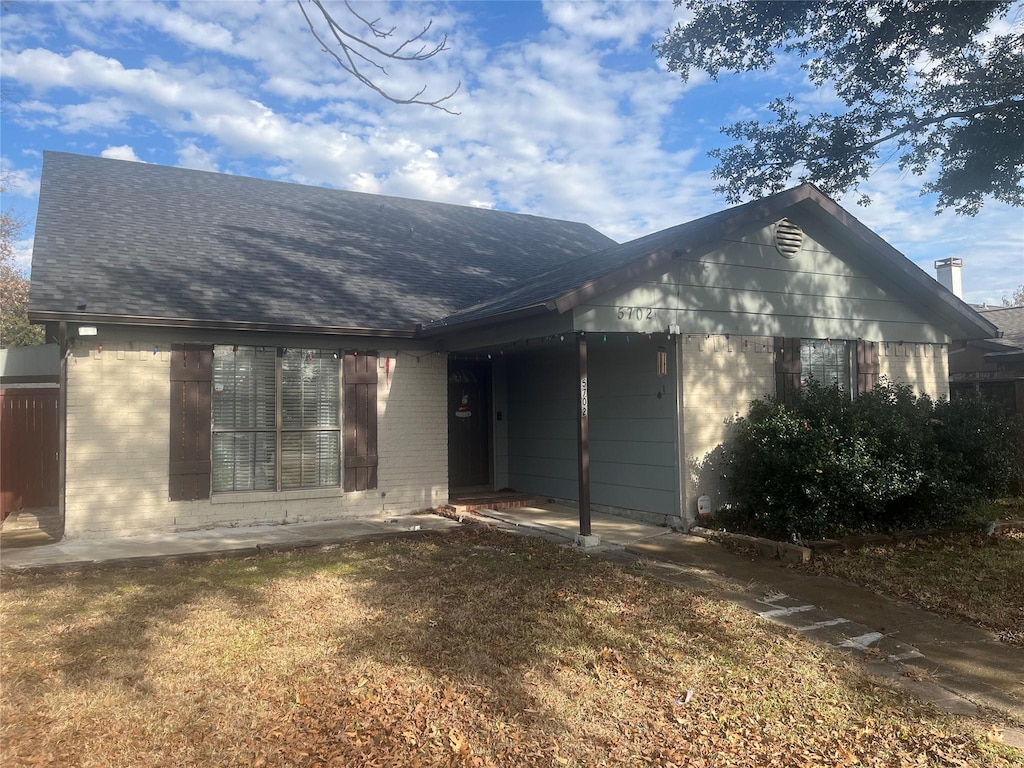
(328, 189)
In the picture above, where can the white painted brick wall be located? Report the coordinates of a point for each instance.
(924, 366)
(118, 447)
(720, 377)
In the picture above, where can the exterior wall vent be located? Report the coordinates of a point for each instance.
(788, 238)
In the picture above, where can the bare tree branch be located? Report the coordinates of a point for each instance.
(353, 51)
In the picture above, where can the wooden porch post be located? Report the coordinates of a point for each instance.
(583, 436)
(62, 426)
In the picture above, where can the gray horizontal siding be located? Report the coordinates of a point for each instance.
(554, 487)
(632, 431)
(532, 446)
(746, 287)
(563, 468)
(634, 476)
(653, 432)
(644, 499)
(523, 422)
(629, 452)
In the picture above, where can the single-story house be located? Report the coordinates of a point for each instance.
(241, 351)
(992, 367)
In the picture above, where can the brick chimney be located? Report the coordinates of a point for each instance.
(947, 271)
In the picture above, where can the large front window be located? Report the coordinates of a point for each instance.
(827, 361)
(276, 419)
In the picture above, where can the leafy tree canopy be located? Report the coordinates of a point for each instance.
(937, 85)
(15, 329)
(1016, 299)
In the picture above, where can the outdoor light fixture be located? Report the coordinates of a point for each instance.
(87, 330)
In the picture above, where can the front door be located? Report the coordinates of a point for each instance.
(469, 419)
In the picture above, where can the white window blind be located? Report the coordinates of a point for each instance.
(827, 361)
(276, 418)
(310, 419)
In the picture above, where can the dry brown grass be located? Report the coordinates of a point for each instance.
(472, 648)
(967, 576)
(1008, 508)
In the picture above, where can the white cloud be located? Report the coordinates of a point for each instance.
(18, 181)
(180, 25)
(561, 123)
(541, 131)
(35, 105)
(94, 21)
(123, 152)
(192, 156)
(625, 24)
(991, 243)
(23, 254)
(94, 116)
(364, 182)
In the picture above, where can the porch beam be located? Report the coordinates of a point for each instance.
(583, 435)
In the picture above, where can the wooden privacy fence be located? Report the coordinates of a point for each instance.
(29, 444)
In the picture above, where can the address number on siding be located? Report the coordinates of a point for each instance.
(634, 313)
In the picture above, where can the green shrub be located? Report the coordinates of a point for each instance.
(827, 465)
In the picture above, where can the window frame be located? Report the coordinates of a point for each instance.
(846, 361)
(279, 429)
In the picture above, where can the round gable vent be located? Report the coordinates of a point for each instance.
(788, 238)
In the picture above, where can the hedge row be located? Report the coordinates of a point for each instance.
(889, 460)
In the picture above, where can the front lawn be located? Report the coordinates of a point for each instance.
(1009, 508)
(970, 576)
(471, 648)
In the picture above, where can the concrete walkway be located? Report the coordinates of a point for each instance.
(958, 667)
(30, 527)
(215, 542)
(564, 522)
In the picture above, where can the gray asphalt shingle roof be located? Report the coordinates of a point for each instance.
(149, 241)
(141, 242)
(1009, 320)
(569, 276)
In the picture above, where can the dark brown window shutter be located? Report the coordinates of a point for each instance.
(787, 369)
(867, 365)
(191, 379)
(359, 376)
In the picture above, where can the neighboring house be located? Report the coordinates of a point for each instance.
(994, 367)
(270, 352)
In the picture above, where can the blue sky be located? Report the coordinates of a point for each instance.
(565, 112)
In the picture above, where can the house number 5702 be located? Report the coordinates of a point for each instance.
(583, 396)
(634, 313)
